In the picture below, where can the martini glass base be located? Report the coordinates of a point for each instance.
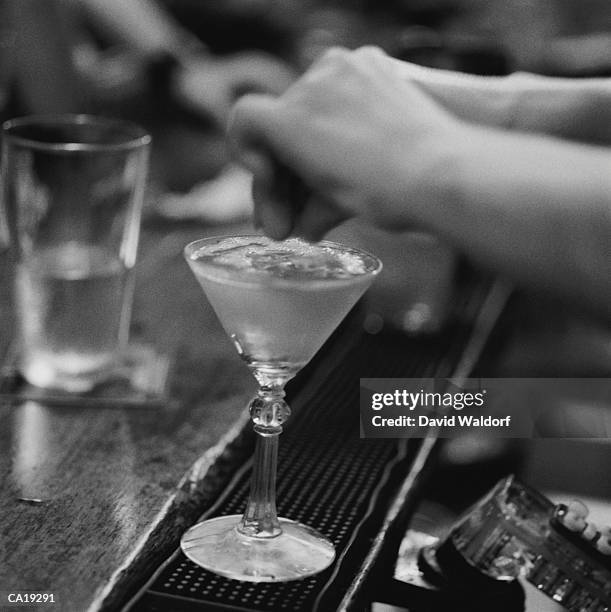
(217, 545)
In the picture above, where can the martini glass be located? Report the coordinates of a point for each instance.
(278, 302)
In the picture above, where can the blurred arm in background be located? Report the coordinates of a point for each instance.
(140, 24)
(205, 83)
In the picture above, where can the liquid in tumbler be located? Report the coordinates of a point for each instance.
(74, 306)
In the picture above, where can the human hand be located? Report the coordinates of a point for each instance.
(349, 138)
(210, 85)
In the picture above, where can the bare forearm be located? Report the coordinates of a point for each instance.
(141, 24)
(534, 208)
(570, 108)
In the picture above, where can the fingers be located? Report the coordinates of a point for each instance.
(250, 129)
(284, 206)
(273, 198)
(250, 136)
(317, 218)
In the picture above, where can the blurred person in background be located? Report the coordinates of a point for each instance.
(59, 46)
(182, 91)
(206, 83)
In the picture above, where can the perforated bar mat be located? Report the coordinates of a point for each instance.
(328, 478)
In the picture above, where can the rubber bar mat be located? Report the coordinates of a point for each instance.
(328, 478)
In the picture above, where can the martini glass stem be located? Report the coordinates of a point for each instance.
(268, 412)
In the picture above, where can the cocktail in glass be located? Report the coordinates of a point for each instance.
(278, 302)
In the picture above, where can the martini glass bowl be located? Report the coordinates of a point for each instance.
(278, 302)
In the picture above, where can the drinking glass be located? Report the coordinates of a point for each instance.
(72, 190)
(278, 302)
